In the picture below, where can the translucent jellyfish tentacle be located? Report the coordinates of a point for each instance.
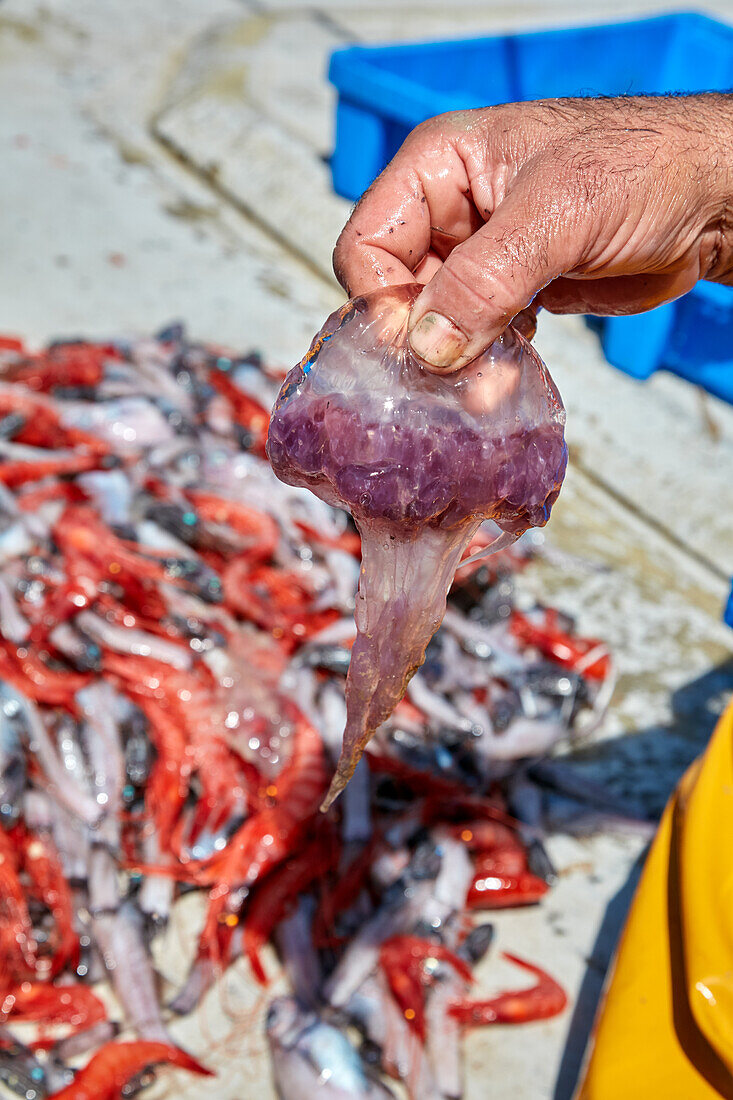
(501, 542)
(403, 587)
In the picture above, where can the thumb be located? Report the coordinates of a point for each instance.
(486, 281)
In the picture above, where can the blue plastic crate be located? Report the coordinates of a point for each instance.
(385, 91)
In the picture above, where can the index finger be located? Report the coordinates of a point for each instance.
(408, 221)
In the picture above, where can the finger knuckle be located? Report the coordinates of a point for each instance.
(476, 289)
(429, 128)
(341, 256)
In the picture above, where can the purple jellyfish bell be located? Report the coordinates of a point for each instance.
(419, 460)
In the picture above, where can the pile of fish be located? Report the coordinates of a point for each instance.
(175, 626)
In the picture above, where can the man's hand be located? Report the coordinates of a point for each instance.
(576, 205)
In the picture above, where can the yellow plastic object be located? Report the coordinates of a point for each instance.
(665, 1029)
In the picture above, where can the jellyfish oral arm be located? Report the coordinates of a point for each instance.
(403, 587)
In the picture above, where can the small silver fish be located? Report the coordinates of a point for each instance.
(12, 769)
(312, 1058)
(332, 657)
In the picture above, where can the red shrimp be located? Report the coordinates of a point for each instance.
(142, 597)
(539, 1002)
(478, 807)
(74, 594)
(168, 783)
(403, 959)
(42, 865)
(11, 343)
(270, 902)
(81, 531)
(501, 882)
(587, 655)
(486, 836)
(444, 798)
(44, 1003)
(183, 727)
(67, 365)
(20, 472)
(45, 430)
(349, 541)
(122, 615)
(31, 499)
(259, 530)
(42, 427)
(274, 599)
(22, 668)
(248, 413)
(337, 897)
(259, 845)
(509, 860)
(188, 732)
(109, 1070)
(18, 949)
(227, 783)
(142, 676)
(270, 836)
(306, 772)
(420, 781)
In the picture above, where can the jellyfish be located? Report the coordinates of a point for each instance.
(420, 461)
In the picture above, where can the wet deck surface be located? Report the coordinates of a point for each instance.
(166, 161)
